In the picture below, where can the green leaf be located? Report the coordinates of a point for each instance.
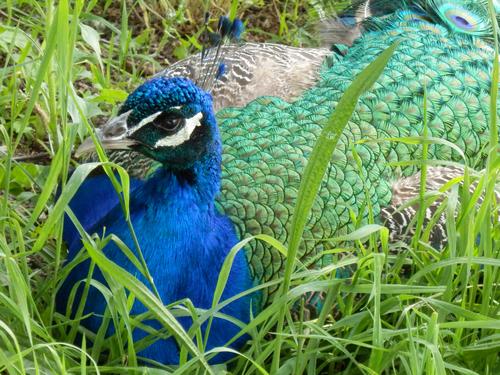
(317, 164)
(91, 36)
(111, 96)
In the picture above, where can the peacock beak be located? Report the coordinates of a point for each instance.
(112, 136)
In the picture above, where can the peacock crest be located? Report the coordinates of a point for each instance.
(212, 66)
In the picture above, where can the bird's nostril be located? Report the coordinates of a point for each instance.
(115, 131)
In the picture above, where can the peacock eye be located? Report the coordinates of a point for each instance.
(170, 122)
(461, 19)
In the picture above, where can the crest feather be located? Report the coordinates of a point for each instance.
(212, 55)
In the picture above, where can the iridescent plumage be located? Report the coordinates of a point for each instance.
(267, 142)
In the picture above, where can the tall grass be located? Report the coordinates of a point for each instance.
(64, 65)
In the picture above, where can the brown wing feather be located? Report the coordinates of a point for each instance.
(258, 69)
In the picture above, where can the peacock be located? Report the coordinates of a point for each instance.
(215, 179)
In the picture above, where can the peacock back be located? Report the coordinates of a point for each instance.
(268, 142)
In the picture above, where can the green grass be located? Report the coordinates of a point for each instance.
(65, 67)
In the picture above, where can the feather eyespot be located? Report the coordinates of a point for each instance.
(463, 20)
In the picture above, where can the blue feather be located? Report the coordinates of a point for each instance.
(97, 189)
(165, 202)
(237, 29)
(221, 71)
(225, 26)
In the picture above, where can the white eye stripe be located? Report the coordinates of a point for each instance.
(149, 119)
(145, 121)
(183, 135)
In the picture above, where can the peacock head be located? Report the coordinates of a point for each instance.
(170, 120)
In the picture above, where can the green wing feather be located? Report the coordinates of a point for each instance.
(267, 143)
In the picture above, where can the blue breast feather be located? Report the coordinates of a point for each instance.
(184, 244)
(95, 198)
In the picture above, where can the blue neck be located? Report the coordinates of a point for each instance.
(185, 242)
(180, 207)
(201, 182)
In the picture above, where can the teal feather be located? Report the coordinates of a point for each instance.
(453, 67)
